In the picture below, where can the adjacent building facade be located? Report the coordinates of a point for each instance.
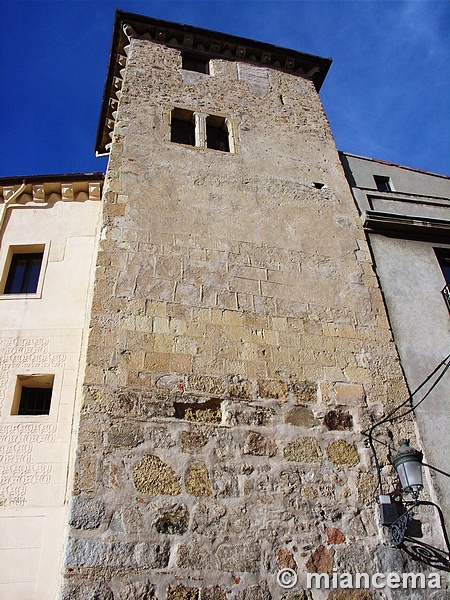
(406, 215)
(48, 247)
(226, 343)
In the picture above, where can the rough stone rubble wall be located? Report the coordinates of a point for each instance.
(238, 345)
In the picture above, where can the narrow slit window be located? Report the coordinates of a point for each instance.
(182, 128)
(383, 183)
(195, 63)
(24, 271)
(217, 136)
(33, 395)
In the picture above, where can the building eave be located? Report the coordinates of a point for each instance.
(54, 177)
(343, 154)
(202, 42)
(403, 226)
(52, 188)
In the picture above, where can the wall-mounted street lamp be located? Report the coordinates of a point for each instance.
(396, 511)
(408, 463)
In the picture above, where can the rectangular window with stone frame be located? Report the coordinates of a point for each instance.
(201, 130)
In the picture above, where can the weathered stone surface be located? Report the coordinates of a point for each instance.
(300, 416)
(136, 591)
(351, 595)
(203, 414)
(87, 474)
(85, 591)
(224, 444)
(285, 559)
(212, 593)
(197, 482)
(250, 415)
(193, 556)
(152, 476)
(273, 389)
(303, 450)
(367, 485)
(258, 445)
(207, 384)
(181, 592)
(173, 520)
(335, 536)
(125, 435)
(209, 519)
(338, 420)
(93, 553)
(89, 553)
(225, 481)
(193, 440)
(304, 391)
(341, 452)
(349, 393)
(131, 520)
(389, 560)
(354, 559)
(160, 437)
(86, 513)
(242, 558)
(321, 561)
(297, 595)
(172, 383)
(241, 388)
(256, 592)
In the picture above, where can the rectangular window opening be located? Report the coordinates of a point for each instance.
(217, 135)
(23, 274)
(182, 128)
(33, 395)
(191, 62)
(383, 183)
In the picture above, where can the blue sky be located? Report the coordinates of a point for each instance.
(387, 94)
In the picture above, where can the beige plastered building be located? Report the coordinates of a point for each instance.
(43, 345)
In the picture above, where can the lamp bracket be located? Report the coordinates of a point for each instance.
(398, 529)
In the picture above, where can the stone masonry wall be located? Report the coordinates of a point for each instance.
(238, 346)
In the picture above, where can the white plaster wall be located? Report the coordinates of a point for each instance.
(42, 333)
(412, 281)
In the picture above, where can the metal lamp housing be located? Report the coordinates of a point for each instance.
(408, 463)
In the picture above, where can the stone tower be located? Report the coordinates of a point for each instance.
(238, 339)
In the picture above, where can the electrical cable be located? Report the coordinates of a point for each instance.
(391, 418)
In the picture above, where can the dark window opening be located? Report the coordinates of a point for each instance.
(443, 257)
(24, 273)
(33, 395)
(383, 183)
(182, 128)
(217, 134)
(194, 63)
(35, 401)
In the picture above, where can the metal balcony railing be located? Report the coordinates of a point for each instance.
(446, 294)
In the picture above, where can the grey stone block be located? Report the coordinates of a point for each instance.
(86, 513)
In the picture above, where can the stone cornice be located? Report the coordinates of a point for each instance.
(53, 188)
(201, 42)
